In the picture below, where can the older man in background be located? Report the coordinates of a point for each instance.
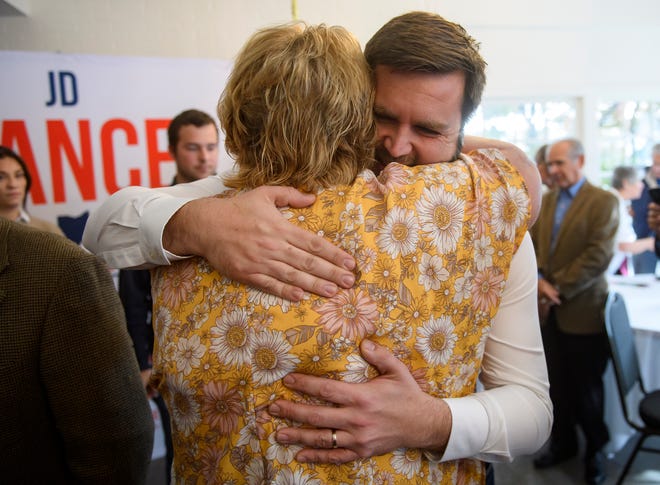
(574, 242)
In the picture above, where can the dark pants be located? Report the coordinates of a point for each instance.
(576, 364)
(490, 474)
(167, 432)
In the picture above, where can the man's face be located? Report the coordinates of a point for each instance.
(655, 167)
(196, 153)
(418, 116)
(563, 170)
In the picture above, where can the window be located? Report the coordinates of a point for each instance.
(525, 123)
(627, 132)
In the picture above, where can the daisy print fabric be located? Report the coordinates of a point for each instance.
(433, 245)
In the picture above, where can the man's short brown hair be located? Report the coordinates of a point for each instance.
(426, 42)
(193, 117)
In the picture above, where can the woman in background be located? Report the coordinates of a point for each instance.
(15, 183)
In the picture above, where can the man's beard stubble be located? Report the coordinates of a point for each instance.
(383, 157)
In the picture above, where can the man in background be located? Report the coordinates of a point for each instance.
(72, 406)
(193, 144)
(646, 261)
(574, 243)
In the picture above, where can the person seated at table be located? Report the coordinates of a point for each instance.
(627, 186)
(442, 256)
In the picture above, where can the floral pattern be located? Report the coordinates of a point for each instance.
(433, 245)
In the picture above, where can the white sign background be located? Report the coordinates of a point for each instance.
(139, 91)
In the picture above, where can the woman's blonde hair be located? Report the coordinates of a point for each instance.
(297, 109)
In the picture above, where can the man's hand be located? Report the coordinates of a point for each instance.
(386, 413)
(145, 375)
(247, 239)
(548, 296)
(653, 217)
(548, 292)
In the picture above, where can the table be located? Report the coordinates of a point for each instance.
(642, 296)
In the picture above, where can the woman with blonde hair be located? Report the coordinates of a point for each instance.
(433, 246)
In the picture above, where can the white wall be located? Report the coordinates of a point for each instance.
(588, 49)
(563, 47)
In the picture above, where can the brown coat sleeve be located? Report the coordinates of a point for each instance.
(96, 394)
(72, 407)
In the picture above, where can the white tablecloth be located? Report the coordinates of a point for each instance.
(642, 296)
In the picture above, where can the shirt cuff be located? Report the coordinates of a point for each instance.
(469, 428)
(154, 216)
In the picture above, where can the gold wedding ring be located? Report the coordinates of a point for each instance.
(334, 438)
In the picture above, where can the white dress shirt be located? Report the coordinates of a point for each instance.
(512, 416)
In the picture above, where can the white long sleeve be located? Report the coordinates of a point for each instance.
(513, 415)
(126, 230)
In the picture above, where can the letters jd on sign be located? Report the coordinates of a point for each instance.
(89, 125)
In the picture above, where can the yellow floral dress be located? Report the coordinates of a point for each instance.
(433, 246)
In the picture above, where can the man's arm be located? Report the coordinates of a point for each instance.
(514, 371)
(126, 230)
(245, 237)
(92, 379)
(637, 246)
(511, 417)
(373, 418)
(653, 218)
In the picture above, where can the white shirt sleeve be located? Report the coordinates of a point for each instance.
(513, 415)
(126, 230)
